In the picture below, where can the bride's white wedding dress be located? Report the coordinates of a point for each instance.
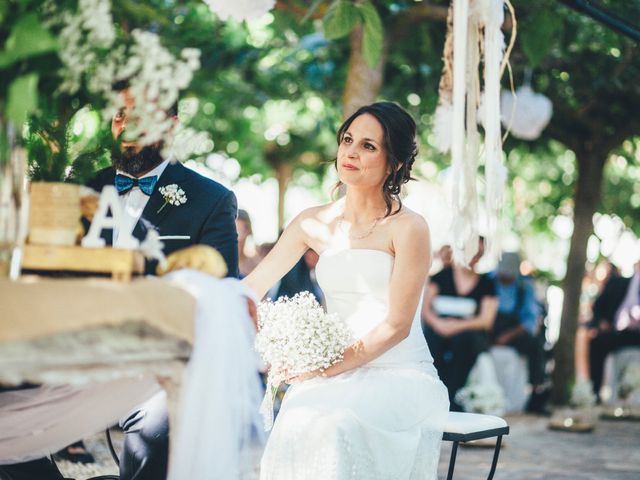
(382, 421)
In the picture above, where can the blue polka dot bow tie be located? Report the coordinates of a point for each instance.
(146, 184)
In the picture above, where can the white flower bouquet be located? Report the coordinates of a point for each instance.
(582, 395)
(297, 336)
(629, 387)
(485, 398)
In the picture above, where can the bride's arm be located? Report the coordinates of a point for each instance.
(413, 258)
(283, 256)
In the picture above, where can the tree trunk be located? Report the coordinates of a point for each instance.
(284, 172)
(363, 82)
(590, 164)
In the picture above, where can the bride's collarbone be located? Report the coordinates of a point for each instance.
(333, 238)
(343, 242)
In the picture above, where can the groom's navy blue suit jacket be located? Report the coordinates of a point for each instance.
(207, 217)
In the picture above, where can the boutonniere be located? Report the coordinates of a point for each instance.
(173, 195)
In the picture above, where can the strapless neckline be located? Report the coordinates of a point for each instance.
(336, 251)
(356, 283)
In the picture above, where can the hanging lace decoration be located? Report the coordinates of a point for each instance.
(473, 35)
(443, 116)
(495, 171)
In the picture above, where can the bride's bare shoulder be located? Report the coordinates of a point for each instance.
(412, 224)
(324, 214)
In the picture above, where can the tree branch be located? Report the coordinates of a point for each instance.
(292, 7)
(427, 11)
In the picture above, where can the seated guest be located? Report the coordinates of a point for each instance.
(458, 310)
(247, 260)
(615, 323)
(517, 324)
(301, 278)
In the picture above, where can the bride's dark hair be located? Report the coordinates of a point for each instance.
(399, 145)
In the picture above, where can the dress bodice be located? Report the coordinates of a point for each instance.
(356, 285)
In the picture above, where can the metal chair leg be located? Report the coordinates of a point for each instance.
(452, 460)
(496, 452)
(114, 455)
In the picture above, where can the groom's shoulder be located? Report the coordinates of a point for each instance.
(203, 183)
(101, 178)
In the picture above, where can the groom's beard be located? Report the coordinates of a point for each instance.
(135, 162)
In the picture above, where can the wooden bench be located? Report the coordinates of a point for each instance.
(465, 427)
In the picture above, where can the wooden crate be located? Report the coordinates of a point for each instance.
(120, 263)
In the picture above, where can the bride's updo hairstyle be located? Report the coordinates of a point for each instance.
(399, 145)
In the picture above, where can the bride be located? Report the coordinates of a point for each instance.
(380, 412)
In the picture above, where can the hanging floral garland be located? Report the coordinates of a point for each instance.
(240, 10)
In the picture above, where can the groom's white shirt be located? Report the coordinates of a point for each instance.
(134, 201)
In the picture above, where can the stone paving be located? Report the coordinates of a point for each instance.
(531, 452)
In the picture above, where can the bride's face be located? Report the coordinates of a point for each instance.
(361, 159)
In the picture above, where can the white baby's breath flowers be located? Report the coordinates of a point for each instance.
(630, 381)
(173, 195)
(155, 77)
(297, 336)
(582, 395)
(82, 34)
(240, 10)
(187, 142)
(485, 398)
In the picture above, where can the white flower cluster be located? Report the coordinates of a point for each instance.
(155, 79)
(630, 381)
(485, 398)
(582, 395)
(187, 142)
(240, 10)
(297, 336)
(155, 76)
(173, 194)
(82, 34)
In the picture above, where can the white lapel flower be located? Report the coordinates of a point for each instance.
(173, 195)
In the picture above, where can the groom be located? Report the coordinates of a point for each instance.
(207, 217)
(139, 173)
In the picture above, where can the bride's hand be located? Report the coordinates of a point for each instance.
(302, 377)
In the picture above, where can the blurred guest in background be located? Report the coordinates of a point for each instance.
(247, 256)
(445, 254)
(517, 324)
(300, 278)
(615, 323)
(458, 311)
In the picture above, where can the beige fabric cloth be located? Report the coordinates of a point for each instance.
(91, 342)
(33, 308)
(38, 421)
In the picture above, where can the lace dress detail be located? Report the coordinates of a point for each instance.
(382, 421)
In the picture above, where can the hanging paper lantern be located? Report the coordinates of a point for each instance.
(527, 113)
(240, 10)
